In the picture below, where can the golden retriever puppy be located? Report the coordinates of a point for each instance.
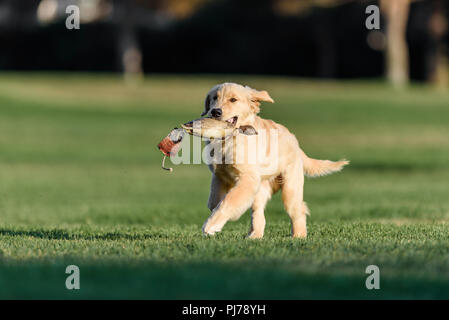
(238, 185)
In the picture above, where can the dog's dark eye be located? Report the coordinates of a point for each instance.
(233, 99)
(215, 97)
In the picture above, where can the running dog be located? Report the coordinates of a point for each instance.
(238, 186)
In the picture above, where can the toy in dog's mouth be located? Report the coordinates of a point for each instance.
(204, 127)
(170, 145)
(210, 128)
(233, 120)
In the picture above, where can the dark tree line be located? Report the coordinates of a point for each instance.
(324, 39)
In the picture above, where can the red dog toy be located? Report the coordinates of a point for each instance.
(170, 145)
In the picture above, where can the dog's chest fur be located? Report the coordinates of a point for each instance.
(227, 173)
(223, 164)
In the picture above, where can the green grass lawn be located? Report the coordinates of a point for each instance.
(81, 183)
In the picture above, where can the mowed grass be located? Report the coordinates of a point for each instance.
(81, 183)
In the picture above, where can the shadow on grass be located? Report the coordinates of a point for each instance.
(207, 280)
(64, 235)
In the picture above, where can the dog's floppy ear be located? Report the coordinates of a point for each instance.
(208, 101)
(248, 130)
(206, 105)
(261, 96)
(257, 97)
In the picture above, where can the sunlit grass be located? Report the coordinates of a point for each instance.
(81, 183)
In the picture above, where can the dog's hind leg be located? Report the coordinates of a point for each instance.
(292, 196)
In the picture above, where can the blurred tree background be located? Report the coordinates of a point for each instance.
(307, 38)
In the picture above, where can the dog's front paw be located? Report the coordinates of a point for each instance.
(209, 229)
(255, 235)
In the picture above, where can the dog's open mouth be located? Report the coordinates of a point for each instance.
(232, 120)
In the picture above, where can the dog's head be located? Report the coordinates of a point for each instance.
(234, 103)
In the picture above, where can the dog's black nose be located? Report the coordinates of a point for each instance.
(216, 113)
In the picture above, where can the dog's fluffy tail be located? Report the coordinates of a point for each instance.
(318, 168)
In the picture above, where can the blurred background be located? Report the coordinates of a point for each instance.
(306, 38)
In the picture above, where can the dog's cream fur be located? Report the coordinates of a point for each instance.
(238, 187)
